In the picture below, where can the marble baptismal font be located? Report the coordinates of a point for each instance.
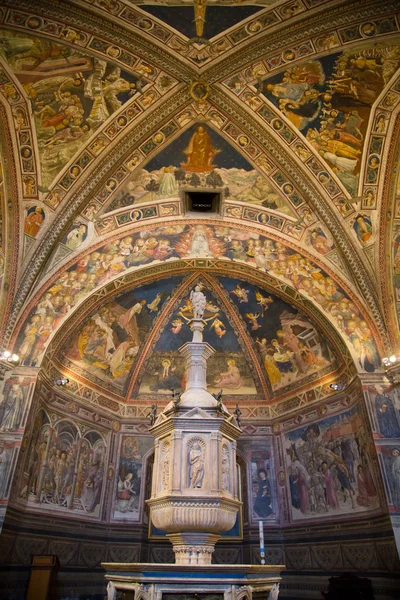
(194, 491)
(195, 496)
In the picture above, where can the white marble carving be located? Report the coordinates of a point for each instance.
(165, 468)
(196, 464)
(198, 301)
(225, 468)
(194, 492)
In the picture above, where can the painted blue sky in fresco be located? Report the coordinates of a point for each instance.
(172, 342)
(173, 155)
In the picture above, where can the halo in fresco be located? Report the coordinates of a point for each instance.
(263, 346)
(193, 241)
(200, 157)
(330, 99)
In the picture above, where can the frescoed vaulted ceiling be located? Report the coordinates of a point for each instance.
(264, 347)
(113, 110)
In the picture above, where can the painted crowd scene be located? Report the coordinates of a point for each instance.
(71, 94)
(64, 469)
(200, 157)
(244, 324)
(188, 241)
(109, 341)
(329, 100)
(330, 468)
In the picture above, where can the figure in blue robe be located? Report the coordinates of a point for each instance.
(387, 417)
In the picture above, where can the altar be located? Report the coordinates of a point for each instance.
(156, 581)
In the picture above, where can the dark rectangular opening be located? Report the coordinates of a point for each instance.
(202, 201)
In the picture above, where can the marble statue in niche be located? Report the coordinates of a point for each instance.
(225, 467)
(165, 466)
(196, 464)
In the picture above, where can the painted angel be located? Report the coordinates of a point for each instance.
(253, 318)
(241, 293)
(218, 327)
(177, 325)
(210, 307)
(263, 301)
(153, 306)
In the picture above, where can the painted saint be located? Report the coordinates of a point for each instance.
(76, 237)
(196, 465)
(396, 477)
(231, 378)
(200, 152)
(127, 492)
(200, 245)
(33, 221)
(262, 506)
(4, 460)
(11, 408)
(168, 186)
(387, 419)
(363, 228)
